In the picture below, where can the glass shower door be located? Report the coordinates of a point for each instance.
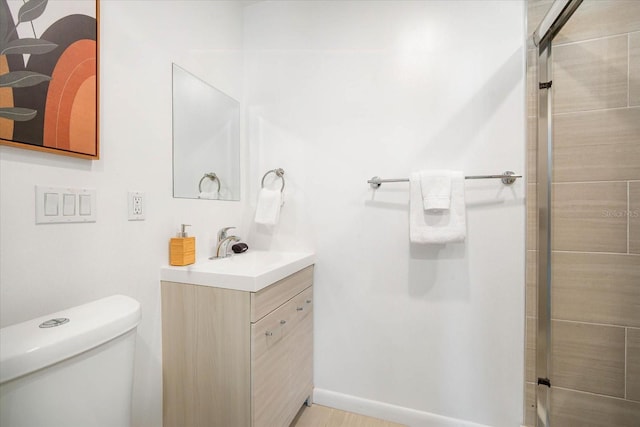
(583, 296)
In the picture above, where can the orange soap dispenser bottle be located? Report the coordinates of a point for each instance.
(182, 249)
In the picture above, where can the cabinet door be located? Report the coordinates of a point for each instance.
(206, 356)
(301, 350)
(270, 368)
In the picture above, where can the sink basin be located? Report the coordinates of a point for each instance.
(249, 271)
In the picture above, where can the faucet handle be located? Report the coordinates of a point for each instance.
(222, 233)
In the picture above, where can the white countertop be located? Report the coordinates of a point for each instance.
(249, 271)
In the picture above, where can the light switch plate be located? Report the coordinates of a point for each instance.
(64, 204)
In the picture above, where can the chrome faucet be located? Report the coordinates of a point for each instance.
(222, 247)
(222, 233)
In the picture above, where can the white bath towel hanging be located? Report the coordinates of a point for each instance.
(436, 189)
(437, 226)
(268, 209)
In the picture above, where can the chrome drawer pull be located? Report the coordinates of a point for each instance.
(299, 308)
(308, 301)
(282, 322)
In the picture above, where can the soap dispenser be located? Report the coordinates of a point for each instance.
(182, 249)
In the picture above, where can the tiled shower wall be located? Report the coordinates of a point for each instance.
(596, 217)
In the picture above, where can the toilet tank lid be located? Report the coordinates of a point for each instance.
(26, 347)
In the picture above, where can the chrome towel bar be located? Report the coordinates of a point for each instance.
(507, 178)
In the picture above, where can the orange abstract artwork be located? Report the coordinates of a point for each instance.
(49, 81)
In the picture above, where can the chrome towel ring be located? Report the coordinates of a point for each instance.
(279, 173)
(213, 177)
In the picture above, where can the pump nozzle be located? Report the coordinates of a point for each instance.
(183, 232)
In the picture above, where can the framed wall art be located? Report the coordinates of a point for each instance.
(49, 76)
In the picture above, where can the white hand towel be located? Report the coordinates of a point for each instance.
(211, 195)
(268, 210)
(223, 194)
(443, 226)
(436, 189)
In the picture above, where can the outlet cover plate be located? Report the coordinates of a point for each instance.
(136, 208)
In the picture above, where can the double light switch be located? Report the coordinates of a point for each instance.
(57, 205)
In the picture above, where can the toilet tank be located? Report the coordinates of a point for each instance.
(75, 373)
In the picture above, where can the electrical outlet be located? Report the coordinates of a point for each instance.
(136, 206)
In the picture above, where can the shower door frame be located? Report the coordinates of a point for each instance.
(558, 14)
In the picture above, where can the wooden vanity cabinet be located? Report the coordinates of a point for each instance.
(235, 358)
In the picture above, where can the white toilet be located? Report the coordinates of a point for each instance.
(70, 373)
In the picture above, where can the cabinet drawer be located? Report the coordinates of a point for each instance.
(271, 297)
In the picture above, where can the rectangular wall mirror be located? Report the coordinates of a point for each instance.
(206, 140)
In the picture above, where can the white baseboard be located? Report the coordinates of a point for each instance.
(385, 411)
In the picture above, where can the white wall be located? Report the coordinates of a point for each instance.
(45, 268)
(338, 92)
